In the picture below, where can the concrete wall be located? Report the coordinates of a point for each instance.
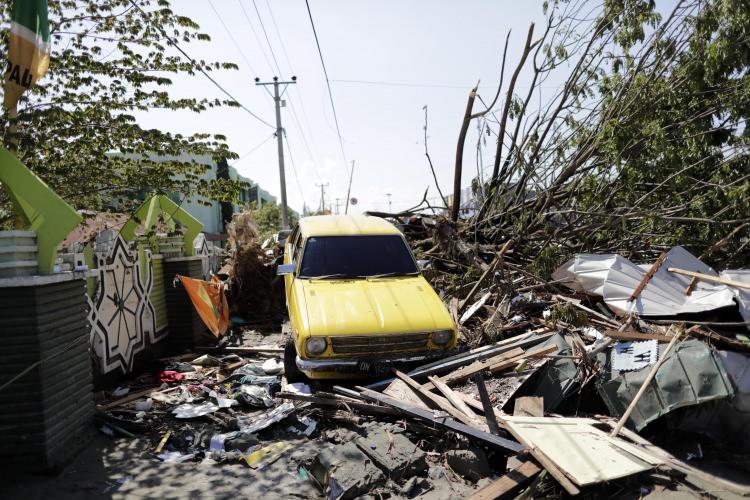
(47, 411)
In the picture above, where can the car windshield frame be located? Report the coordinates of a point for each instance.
(341, 269)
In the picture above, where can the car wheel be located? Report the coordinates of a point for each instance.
(292, 373)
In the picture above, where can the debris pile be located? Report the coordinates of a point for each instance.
(256, 292)
(611, 376)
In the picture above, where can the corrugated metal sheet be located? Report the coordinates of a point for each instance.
(46, 413)
(615, 278)
(692, 374)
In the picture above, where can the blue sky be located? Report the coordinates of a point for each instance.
(439, 49)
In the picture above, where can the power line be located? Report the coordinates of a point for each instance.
(254, 149)
(278, 69)
(265, 34)
(294, 169)
(404, 84)
(278, 35)
(200, 68)
(255, 34)
(328, 85)
(229, 32)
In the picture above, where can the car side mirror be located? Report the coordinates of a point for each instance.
(285, 269)
(423, 264)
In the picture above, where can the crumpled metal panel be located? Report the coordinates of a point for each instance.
(558, 378)
(726, 419)
(615, 278)
(692, 374)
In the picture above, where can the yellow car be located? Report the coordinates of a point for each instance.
(358, 303)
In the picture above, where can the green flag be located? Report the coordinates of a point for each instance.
(29, 49)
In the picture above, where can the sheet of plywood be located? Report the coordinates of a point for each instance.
(584, 453)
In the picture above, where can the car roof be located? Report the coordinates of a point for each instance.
(345, 225)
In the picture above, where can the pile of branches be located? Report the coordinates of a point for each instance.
(642, 147)
(257, 294)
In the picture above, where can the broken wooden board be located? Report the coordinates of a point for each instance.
(529, 406)
(585, 454)
(399, 390)
(494, 364)
(497, 442)
(438, 402)
(509, 483)
(474, 308)
(453, 398)
(327, 402)
(630, 335)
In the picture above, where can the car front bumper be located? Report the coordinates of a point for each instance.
(364, 366)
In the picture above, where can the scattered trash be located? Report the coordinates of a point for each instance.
(273, 366)
(189, 410)
(144, 405)
(445, 426)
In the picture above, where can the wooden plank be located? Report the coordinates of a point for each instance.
(479, 406)
(126, 399)
(496, 364)
(244, 349)
(637, 336)
(708, 277)
(454, 399)
(467, 371)
(473, 309)
(339, 404)
(497, 442)
(399, 390)
(539, 352)
(489, 411)
(529, 406)
(691, 286)
(437, 401)
(509, 483)
(525, 340)
(655, 267)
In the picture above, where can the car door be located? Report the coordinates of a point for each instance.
(292, 253)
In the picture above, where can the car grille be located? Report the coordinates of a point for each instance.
(378, 344)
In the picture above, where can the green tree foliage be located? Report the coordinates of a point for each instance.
(674, 156)
(76, 128)
(268, 218)
(645, 144)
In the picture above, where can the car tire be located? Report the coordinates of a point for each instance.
(292, 373)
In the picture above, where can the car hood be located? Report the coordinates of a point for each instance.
(382, 305)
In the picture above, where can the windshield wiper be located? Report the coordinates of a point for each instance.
(395, 273)
(332, 276)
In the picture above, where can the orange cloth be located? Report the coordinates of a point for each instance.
(210, 300)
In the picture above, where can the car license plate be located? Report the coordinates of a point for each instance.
(373, 367)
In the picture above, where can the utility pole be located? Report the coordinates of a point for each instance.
(338, 204)
(349, 190)
(390, 210)
(322, 197)
(280, 140)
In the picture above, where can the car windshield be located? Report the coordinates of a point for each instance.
(356, 256)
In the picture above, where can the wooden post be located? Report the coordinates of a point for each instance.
(456, 204)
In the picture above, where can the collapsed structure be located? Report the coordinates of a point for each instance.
(574, 385)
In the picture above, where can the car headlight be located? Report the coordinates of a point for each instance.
(316, 345)
(442, 337)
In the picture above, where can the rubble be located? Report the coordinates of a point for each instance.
(543, 396)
